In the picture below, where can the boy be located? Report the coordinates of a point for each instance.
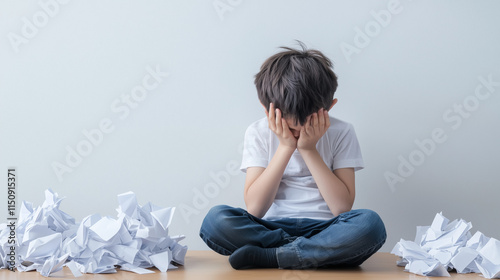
(299, 186)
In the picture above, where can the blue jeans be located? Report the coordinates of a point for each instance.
(346, 240)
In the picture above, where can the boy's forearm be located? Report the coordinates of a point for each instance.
(334, 191)
(260, 195)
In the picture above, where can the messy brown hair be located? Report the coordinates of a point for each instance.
(298, 82)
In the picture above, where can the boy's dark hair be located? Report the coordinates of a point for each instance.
(298, 82)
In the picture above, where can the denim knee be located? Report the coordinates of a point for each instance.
(372, 226)
(370, 236)
(218, 213)
(215, 228)
(215, 220)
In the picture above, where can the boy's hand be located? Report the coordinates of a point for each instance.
(280, 127)
(315, 127)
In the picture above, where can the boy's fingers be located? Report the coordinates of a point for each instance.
(271, 111)
(327, 119)
(278, 121)
(315, 120)
(302, 132)
(307, 125)
(272, 125)
(271, 118)
(285, 127)
(321, 117)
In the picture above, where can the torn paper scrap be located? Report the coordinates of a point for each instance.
(427, 268)
(162, 260)
(135, 269)
(488, 269)
(53, 264)
(446, 245)
(491, 251)
(463, 259)
(74, 269)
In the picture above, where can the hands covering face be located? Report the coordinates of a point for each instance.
(314, 128)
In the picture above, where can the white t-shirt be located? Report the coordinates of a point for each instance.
(298, 195)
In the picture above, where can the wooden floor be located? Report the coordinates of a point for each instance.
(207, 265)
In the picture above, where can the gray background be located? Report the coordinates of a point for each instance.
(395, 89)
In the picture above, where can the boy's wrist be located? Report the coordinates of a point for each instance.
(286, 149)
(307, 151)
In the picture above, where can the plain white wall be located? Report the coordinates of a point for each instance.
(401, 80)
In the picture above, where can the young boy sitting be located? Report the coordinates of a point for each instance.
(299, 187)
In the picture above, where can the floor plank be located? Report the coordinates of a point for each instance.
(207, 265)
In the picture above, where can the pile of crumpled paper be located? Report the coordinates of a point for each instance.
(444, 246)
(48, 238)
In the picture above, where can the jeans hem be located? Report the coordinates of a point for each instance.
(378, 244)
(214, 246)
(297, 260)
(291, 252)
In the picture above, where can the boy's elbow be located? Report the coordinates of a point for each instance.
(254, 208)
(337, 212)
(254, 211)
(341, 209)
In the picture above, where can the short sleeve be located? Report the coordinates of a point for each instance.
(347, 153)
(255, 150)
